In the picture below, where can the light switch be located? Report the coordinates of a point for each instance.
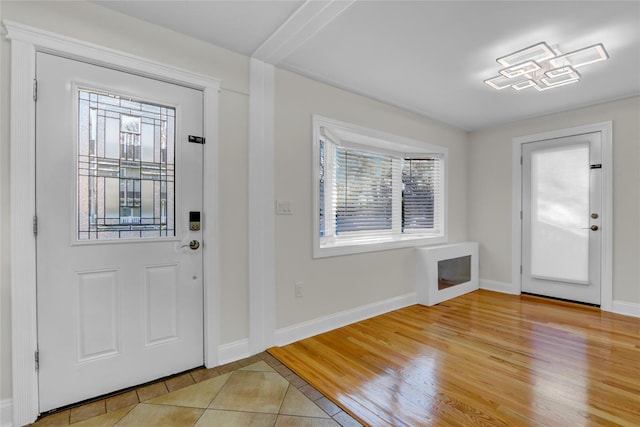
(283, 207)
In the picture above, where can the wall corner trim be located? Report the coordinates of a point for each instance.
(262, 303)
(503, 287)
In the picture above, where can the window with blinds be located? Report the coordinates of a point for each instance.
(375, 195)
(363, 188)
(421, 193)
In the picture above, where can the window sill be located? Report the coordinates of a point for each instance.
(358, 246)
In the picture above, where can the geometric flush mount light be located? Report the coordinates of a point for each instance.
(540, 67)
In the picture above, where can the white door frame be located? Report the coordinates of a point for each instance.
(606, 131)
(25, 42)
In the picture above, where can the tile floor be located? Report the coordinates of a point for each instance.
(258, 391)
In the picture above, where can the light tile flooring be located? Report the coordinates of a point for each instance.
(258, 391)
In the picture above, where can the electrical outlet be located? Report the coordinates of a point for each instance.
(298, 289)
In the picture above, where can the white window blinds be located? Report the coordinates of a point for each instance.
(375, 190)
(363, 190)
(370, 193)
(421, 179)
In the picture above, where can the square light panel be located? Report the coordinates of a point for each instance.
(559, 72)
(581, 57)
(542, 88)
(520, 69)
(502, 82)
(540, 67)
(523, 85)
(561, 79)
(537, 52)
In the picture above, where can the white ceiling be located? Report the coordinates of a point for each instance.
(429, 57)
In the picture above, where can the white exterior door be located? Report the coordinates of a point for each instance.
(562, 218)
(119, 289)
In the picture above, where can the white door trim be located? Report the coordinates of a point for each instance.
(25, 42)
(606, 130)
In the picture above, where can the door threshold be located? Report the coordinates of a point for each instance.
(561, 299)
(117, 392)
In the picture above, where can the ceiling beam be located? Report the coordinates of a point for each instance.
(307, 21)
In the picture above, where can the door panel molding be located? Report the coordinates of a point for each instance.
(26, 41)
(606, 131)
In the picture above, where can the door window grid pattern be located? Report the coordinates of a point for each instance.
(371, 194)
(126, 168)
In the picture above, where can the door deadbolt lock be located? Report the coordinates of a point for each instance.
(594, 215)
(194, 221)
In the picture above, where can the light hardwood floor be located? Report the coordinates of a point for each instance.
(481, 359)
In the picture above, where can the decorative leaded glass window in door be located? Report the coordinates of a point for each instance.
(126, 168)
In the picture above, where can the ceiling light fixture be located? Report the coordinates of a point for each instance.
(542, 68)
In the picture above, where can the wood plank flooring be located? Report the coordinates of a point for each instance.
(485, 359)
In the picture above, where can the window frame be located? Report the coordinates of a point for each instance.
(374, 141)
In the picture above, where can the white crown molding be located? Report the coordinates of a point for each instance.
(25, 42)
(307, 21)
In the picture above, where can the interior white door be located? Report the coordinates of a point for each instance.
(119, 289)
(561, 207)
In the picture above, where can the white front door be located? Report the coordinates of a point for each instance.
(119, 289)
(562, 217)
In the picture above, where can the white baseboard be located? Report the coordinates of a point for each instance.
(6, 412)
(493, 285)
(618, 307)
(320, 325)
(626, 308)
(233, 351)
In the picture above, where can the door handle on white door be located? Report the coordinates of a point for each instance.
(193, 245)
(592, 228)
